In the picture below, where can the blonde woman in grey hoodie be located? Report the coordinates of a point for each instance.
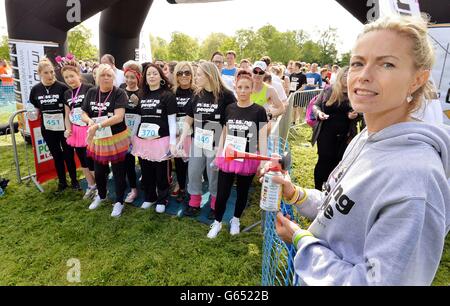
(385, 213)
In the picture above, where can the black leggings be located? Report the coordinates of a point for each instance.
(61, 152)
(225, 182)
(155, 181)
(101, 178)
(181, 168)
(330, 148)
(85, 161)
(131, 170)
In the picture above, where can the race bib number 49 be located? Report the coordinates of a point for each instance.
(204, 139)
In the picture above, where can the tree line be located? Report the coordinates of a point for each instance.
(247, 43)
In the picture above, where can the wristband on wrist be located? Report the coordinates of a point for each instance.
(99, 125)
(298, 235)
(303, 199)
(294, 196)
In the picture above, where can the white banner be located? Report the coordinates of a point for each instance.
(145, 51)
(25, 56)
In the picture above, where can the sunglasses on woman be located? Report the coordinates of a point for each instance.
(260, 72)
(185, 73)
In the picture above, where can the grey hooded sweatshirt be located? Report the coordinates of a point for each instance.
(385, 214)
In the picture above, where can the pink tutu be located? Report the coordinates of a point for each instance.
(151, 149)
(247, 167)
(78, 137)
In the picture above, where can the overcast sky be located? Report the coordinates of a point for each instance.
(199, 20)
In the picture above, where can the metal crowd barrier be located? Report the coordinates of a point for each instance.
(299, 99)
(30, 176)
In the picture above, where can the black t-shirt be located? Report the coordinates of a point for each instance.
(204, 110)
(117, 99)
(183, 97)
(78, 100)
(132, 107)
(49, 99)
(299, 79)
(246, 123)
(155, 108)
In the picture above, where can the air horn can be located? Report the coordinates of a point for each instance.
(271, 193)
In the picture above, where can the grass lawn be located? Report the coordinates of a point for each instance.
(39, 233)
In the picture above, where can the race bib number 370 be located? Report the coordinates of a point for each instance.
(148, 131)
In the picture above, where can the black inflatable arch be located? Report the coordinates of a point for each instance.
(46, 20)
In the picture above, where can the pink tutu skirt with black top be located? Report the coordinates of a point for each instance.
(245, 167)
(151, 149)
(78, 137)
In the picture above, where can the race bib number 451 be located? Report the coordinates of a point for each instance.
(54, 122)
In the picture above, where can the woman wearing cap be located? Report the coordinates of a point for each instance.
(263, 94)
(155, 141)
(384, 217)
(133, 76)
(205, 113)
(108, 136)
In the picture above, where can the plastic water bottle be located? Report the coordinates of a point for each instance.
(271, 192)
(31, 112)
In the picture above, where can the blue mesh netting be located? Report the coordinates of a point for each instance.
(278, 257)
(7, 98)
